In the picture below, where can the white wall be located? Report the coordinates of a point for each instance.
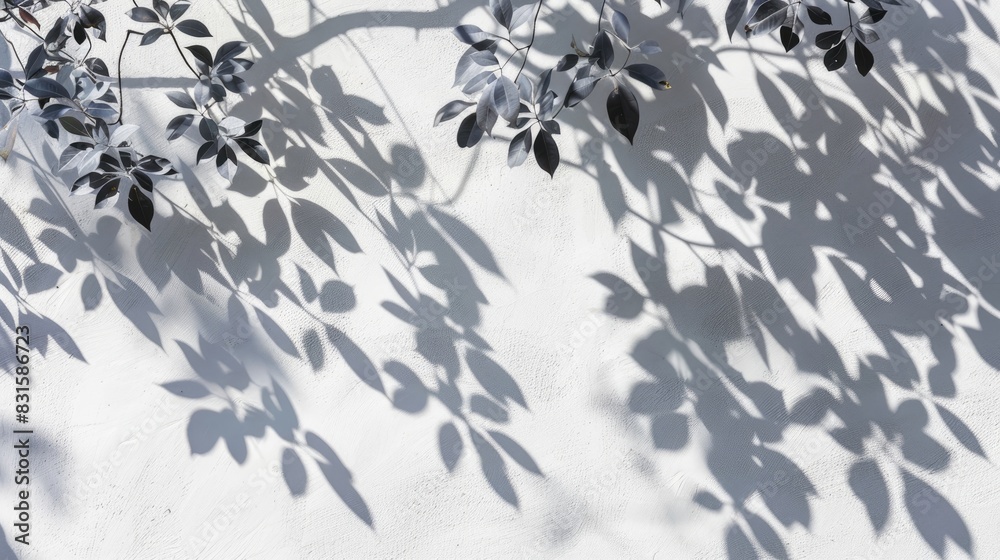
(766, 359)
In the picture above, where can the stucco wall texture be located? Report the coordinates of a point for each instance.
(767, 329)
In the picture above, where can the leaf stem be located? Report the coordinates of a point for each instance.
(534, 28)
(181, 51)
(121, 95)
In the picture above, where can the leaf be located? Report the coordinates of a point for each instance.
(472, 35)
(254, 149)
(152, 35)
(451, 110)
(140, 207)
(623, 111)
(734, 14)
(225, 162)
(521, 16)
(503, 11)
(208, 129)
(252, 128)
(178, 9)
(580, 89)
(181, 99)
(36, 60)
(828, 39)
(162, 7)
(867, 36)
(789, 38)
(469, 132)
(863, 58)
(73, 126)
(873, 15)
(230, 50)
(108, 193)
(122, 133)
(604, 50)
(506, 99)
(193, 28)
(46, 87)
(546, 152)
(143, 15)
(202, 54)
(142, 180)
(567, 62)
(620, 24)
(28, 18)
(768, 16)
(836, 57)
(519, 148)
(649, 75)
(486, 113)
(818, 15)
(207, 150)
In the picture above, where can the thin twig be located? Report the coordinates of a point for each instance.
(178, 45)
(527, 48)
(121, 95)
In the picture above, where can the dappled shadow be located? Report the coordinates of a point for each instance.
(764, 217)
(259, 269)
(886, 190)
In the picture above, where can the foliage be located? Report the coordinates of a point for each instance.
(71, 94)
(522, 102)
(764, 16)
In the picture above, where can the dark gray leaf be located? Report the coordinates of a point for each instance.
(193, 28)
(254, 149)
(143, 15)
(863, 58)
(46, 87)
(178, 9)
(580, 89)
(649, 75)
(178, 126)
(546, 152)
(818, 15)
(567, 62)
(836, 57)
(734, 14)
(73, 126)
(520, 147)
(623, 111)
